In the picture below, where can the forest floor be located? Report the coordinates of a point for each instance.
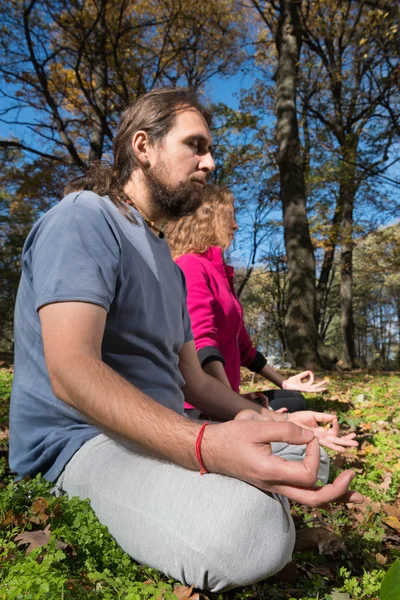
(56, 549)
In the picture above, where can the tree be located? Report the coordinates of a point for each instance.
(345, 90)
(69, 68)
(301, 331)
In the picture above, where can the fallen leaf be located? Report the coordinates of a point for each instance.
(366, 426)
(15, 520)
(325, 540)
(183, 592)
(321, 570)
(368, 505)
(392, 510)
(34, 539)
(387, 482)
(369, 449)
(39, 505)
(380, 559)
(393, 522)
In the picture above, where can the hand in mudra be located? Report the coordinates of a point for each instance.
(328, 437)
(304, 382)
(295, 480)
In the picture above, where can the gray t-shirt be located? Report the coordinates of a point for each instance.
(85, 250)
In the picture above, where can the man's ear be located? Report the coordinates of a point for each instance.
(141, 147)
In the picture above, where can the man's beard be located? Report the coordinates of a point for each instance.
(172, 202)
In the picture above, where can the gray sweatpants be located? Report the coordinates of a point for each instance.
(214, 532)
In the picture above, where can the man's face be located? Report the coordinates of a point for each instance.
(180, 164)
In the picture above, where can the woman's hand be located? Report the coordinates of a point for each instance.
(328, 437)
(304, 382)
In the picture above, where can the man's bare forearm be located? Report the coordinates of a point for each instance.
(109, 401)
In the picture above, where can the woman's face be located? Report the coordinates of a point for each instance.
(227, 226)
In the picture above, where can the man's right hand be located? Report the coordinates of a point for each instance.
(242, 449)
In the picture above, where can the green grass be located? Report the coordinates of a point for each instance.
(357, 544)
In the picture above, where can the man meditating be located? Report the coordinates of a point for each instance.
(104, 359)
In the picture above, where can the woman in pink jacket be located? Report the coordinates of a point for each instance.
(197, 243)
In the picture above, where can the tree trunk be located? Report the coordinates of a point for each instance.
(300, 324)
(327, 264)
(347, 192)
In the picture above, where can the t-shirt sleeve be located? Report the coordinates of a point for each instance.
(75, 256)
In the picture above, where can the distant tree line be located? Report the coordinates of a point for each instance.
(376, 302)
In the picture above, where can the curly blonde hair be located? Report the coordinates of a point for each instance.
(206, 227)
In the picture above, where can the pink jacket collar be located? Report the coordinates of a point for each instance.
(215, 255)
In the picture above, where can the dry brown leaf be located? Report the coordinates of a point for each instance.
(387, 482)
(34, 539)
(325, 540)
(321, 570)
(393, 522)
(368, 505)
(392, 509)
(39, 505)
(4, 434)
(39, 519)
(183, 592)
(11, 519)
(380, 559)
(368, 449)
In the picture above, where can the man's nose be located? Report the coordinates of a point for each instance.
(207, 163)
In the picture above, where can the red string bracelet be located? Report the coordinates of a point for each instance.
(203, 470)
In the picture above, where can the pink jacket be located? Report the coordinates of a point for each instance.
(215, 311)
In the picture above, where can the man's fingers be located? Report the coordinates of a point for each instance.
(294, 473)
(337, 443)
(277, 431)
(317, 496)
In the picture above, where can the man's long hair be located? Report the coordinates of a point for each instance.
(155, 113)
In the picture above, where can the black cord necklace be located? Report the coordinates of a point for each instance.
(148, 221)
